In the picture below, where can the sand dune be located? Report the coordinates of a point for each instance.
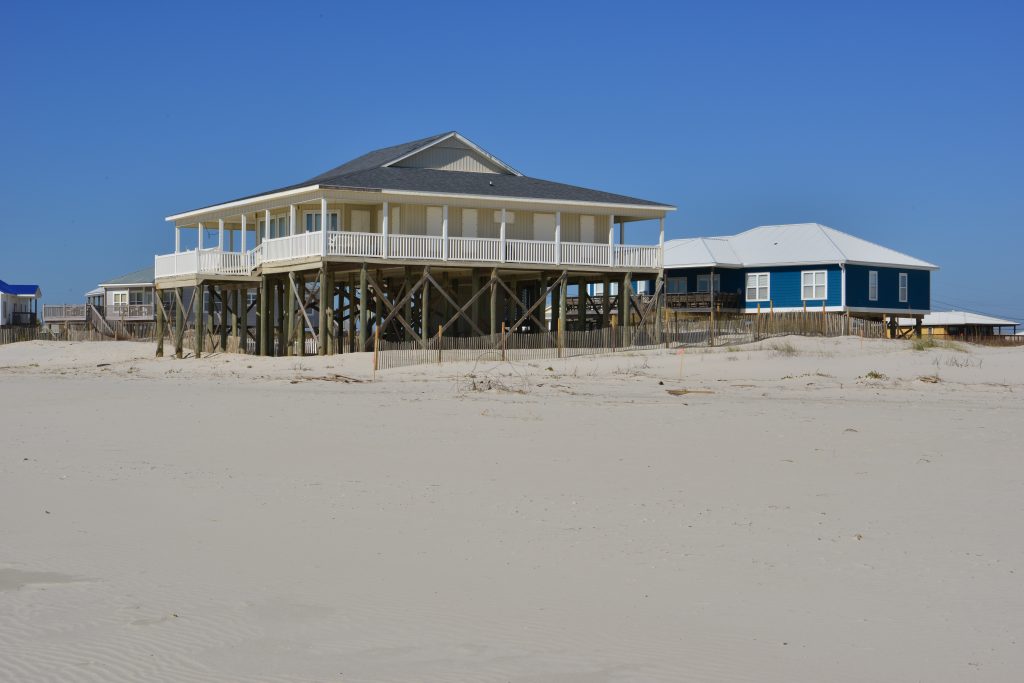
(807, 510)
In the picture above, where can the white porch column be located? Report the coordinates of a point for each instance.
(323, 226)
(292, 228)
(501, 238)
(444, 232)
(266, 223)
(661, 241)
(385, 228)
(558, 237)
(177, 239)
(245, 229)
(220, 234)
(611, 241)
(199, 243)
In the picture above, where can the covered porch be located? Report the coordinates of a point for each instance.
(238, 241)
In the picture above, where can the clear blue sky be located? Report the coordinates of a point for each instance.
(898, 122)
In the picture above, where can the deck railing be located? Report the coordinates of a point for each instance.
(474, 249)
(416, 247)
(129, 312)
(407, 247)
(530, 251)
(55, 312)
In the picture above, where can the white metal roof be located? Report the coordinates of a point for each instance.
(777, 245)
(954, 318)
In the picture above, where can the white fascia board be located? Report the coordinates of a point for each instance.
(242, 202)
(887, 311)
(519, 200)
(469, 143)
(106, 285)
(794, 309)
(926, 266)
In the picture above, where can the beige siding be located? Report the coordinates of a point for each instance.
(451, 155)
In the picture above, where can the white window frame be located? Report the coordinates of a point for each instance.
(814, 285)
(510, 217)
(120, 297)
(757, 287)
(872, 285)
(474, 222)
(904, 283)
(714, 283)
(332, 217)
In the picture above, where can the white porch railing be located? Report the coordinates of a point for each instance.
(302, 245)
(629, 256)
(530, 251)
(416, 247)
(474, 249)
(407, 247)
(367, 244)
(584, 254)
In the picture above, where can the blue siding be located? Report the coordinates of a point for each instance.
(918, 294)
(785, 286)
(730, 280)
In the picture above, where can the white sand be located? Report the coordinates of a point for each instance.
(232, 519)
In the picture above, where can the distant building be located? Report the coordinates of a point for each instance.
(125, 299)
(19, 304)
(793, 267)
(960, 325)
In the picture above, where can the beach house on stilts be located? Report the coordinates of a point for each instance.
(434, 236)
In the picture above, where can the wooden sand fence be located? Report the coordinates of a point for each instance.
(683, 331)
(121, 332)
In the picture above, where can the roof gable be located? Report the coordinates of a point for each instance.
(142, 276)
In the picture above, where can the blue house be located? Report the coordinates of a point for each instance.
(19, 304)
(792, 267)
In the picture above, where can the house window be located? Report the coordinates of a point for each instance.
(904, 288)
(250, 298)
(510, 217)
(469, 223)
(814, 285)
(313, 221)
(704, 283)
(139, 297)
(758, 287)
(588, 231)
(677, 285)
(872, 285)
(360, 220)
(120, 298)
(435, 216)
(278, 228)
(544, 227)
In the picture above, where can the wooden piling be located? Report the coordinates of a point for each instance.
(159, 324)
(324, 320)
(364, 311)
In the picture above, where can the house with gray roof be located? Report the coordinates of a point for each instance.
(804, 266)
(403, 239)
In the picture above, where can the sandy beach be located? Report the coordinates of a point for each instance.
(795, 510)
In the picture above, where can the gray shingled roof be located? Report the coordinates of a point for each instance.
(368, 172)
(140, 276)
